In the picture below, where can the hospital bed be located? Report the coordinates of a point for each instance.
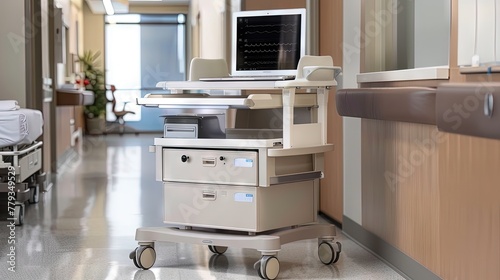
(20, 157)
(244, 188)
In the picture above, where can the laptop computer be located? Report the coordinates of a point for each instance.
(267, 45)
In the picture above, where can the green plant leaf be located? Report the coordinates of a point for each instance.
(96, 84)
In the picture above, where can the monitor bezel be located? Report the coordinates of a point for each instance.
(254, 13)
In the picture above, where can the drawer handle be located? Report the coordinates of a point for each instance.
(180, 129)
(296, 177)
(488, 105)
(208, 195)
(208, 162)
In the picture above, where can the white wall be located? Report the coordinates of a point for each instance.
(352, 126)
(487, 36)
(12, 51)
(65, 5)
(212, 27)
(432, 48)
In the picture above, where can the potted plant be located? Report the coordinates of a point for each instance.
(93, 80)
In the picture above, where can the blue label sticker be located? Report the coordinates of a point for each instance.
(243, 197)
(243, 162)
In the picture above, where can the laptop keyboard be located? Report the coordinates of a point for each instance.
(251, 78)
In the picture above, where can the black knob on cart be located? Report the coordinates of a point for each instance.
(184, 158)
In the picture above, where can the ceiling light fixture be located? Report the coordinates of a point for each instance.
(108, 6)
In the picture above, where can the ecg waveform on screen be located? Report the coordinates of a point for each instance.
(270, 51)
(246, 45)
(281, 31)
(250, 48)
(268, 42)
(259, 63)
(281, 25)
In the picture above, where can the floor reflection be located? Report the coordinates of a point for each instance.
(84, 228)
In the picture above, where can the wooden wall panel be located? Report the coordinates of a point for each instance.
(63, 116)
(445, 212)
(331, 19)
(79, 117)
(332, 185)
(330, 43)
(400, 194)
(453, 61)
(46, 138)
(469, 181)
(435, 196)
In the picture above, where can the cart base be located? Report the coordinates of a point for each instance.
(268, 243)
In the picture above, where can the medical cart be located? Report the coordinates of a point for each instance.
(254, 188)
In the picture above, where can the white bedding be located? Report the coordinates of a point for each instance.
(22, 126)
(9, 105)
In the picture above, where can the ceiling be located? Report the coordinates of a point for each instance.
(122, 6)
(97, 6)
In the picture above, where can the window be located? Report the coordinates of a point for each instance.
(400, 34)
(142, 50)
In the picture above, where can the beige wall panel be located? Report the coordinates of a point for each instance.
(469, 181)
(400, 187)
(93, 34)
(275, 4)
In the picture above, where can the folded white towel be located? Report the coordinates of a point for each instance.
(8, 105)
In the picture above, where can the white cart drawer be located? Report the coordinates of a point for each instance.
(210, 166)
(253, 209)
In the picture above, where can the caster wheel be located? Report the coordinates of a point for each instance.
(256, 266)
(19, 214)
(211, 248)
(132, 257)
(269, 267)
(143, 257)
(35, 195)
(217, 249)
(327, 254)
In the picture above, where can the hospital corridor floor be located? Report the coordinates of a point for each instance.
(83, 228)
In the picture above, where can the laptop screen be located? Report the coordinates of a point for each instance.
(269, 42)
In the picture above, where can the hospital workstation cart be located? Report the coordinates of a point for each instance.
(243, 188)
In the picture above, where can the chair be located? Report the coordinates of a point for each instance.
(119, 114)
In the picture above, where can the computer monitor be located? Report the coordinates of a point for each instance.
(267, 42)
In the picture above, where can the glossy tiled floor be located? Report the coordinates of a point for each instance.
(84, 227)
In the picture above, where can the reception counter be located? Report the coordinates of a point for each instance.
(74, 97)
(429, 188)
